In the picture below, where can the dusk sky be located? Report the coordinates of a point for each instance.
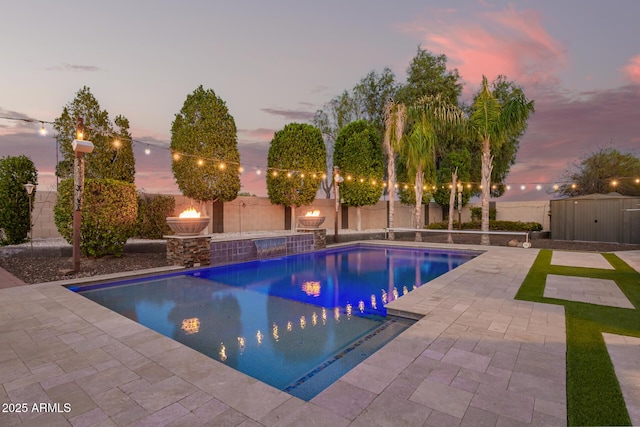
(278, 62)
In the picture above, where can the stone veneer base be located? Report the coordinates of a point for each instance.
(188, 251)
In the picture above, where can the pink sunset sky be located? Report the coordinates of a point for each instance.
(278, 62)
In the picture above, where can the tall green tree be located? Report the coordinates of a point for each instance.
(493, 122)
(296, 161)
(365, 101)
(204, 143)
(395, 118)
(112, 156)
(427, 75)
(603, 171)
(358, 154)
(15, 172)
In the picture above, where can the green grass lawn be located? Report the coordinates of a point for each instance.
(593, 393)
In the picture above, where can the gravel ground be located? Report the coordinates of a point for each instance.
(46, 269)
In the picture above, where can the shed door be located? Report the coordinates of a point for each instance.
(597, 221)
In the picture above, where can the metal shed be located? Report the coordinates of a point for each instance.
(597, 218)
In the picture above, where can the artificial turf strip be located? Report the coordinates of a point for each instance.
(593, 392)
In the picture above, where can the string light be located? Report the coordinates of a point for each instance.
(221, 164)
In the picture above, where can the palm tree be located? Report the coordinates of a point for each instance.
(395, 117)
(432, 116)
(493, 122)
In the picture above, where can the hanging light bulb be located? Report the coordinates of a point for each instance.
(538, 187)
(147, 150)
(258, 172)
(200, 162)
(274, 173)
(508, 187)
(43, 130)
(240, 169)
(176, 156)
(523, 187)
(288, 174)
(116, 143)
(222, 166)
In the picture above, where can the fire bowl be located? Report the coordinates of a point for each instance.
(311, 221)
(187, 226)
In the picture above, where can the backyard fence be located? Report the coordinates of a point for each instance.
(246, 214)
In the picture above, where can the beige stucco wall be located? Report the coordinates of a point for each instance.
(524, 211)
(257, 213)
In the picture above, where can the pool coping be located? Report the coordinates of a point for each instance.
(76, 326)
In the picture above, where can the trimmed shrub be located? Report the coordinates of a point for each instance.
(109, 214)
(493, 225)
(15, 171)
(476, 213)
(152, 213)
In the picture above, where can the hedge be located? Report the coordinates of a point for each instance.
(109, 214)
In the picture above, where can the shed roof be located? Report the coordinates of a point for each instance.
(600, 196)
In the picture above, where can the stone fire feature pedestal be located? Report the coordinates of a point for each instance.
(188, 251)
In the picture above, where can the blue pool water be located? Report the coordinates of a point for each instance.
(297, 323)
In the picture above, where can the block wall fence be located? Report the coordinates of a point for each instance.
(258, 214)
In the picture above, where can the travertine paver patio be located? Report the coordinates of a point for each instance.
(476, 357)
(580, 259)
(625, 355)
(586, 289)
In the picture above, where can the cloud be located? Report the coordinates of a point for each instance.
(13, 122)
(259, 134)
(508, 41)
(74, 68)
(568, 127)
(632, 70)
(290, 114)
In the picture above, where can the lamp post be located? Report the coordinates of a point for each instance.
(80, 147)
(29, 187)
(337, 179)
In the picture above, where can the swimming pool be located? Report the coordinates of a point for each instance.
(297, 323)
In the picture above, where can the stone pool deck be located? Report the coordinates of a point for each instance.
(477, 357)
